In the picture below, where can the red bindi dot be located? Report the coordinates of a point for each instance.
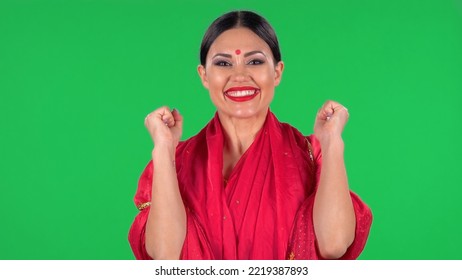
(238, 51)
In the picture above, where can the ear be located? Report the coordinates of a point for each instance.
(203, 76)
(278, 69)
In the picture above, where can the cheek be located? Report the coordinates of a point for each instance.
(216, 81)
(267, 77)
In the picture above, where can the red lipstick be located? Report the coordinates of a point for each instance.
(242, 94)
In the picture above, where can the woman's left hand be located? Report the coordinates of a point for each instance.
(333, 211)
(330, 121)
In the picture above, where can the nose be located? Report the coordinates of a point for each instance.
(240, 74)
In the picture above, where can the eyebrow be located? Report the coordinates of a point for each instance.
(254, 52)
(245, 55)
(223, 54)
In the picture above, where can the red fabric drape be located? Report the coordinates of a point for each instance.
(265, 209)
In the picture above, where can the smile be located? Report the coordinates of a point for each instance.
(242, 94)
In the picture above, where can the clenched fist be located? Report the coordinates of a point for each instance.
(330, 121)
(165, 127)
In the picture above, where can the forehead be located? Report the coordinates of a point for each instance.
(238, 38)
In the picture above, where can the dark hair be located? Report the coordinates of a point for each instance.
(235, 19)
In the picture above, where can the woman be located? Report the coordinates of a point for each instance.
(247, 186)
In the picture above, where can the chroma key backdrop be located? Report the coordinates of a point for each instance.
(78, 77)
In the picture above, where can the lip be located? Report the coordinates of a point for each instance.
(242, 98)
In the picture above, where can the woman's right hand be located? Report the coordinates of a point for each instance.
(165, 127)
(166, 223)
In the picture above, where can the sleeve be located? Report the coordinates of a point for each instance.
(136, 235)
(302, 243)
(363, 226)
(196, 245)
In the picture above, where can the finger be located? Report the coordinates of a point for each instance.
(146, 118)
(346, 110)
(165, 115)
(325, 112)
(332, 109)
(178, 118)
(156, 115)
(172, 118)
(340, 110)
(149, 118)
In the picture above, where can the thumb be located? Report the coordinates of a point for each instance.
(178, 118)
(324, 113)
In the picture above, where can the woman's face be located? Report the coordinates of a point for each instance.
(240, 74)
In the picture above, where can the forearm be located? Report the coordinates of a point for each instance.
(166, 224)
(333, 212)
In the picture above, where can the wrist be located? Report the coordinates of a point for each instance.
(161, 152)
(332, 144)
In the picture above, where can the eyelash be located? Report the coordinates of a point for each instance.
(256, 62)
(223, 63)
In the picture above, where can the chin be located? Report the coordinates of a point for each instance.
(246, 113)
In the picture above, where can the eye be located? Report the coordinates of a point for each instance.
(255, 62)
(222, 63)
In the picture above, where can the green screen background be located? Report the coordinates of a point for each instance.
(78, 77)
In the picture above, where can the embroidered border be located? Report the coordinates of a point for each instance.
(143, 205)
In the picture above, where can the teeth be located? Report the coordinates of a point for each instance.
(240, 93)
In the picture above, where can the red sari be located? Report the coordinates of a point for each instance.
(265, 211)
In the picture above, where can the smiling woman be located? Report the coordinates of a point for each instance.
(241, 85)
(246, 186)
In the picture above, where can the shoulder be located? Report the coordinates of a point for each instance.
(306, 142)
(314, 148)
(143, 193)
(197, 142)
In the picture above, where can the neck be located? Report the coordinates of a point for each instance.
(239, 134)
